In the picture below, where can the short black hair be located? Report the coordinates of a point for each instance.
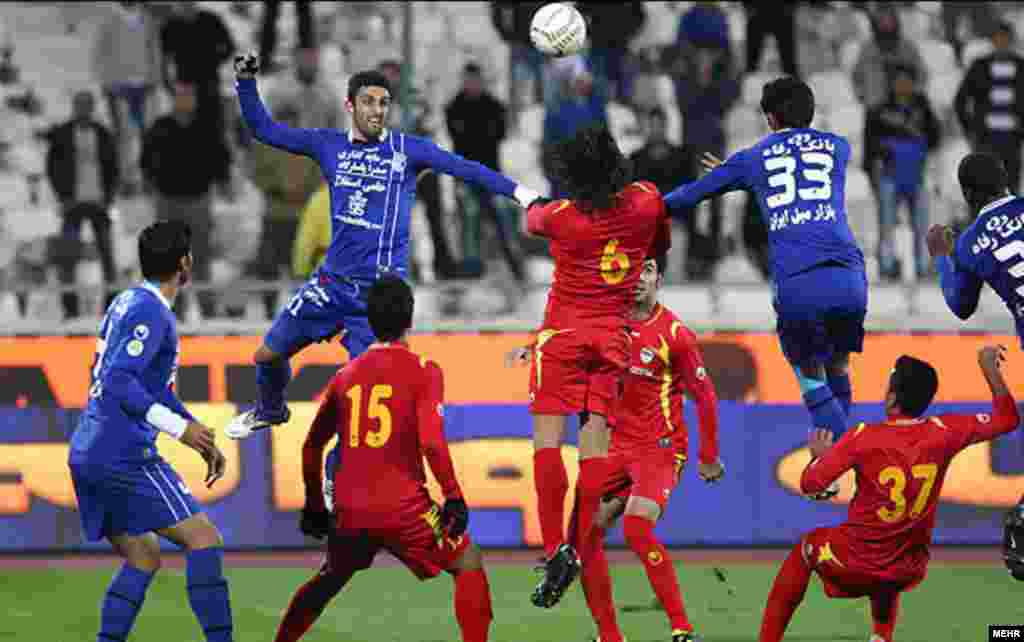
(472, 68)
(982, 177)
(368, 78)
(657, 112)
(162, 245)
(914, 383)
(389, 308)
(1005, 27)
(790, 100)
(898, 67)
(591, 168)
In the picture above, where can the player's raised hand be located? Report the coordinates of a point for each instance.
(455, 517)
(991, 358)
(199, 438)
(247, 65)
(820, 442)
(940, 240)
(711, 473)
(315, 523)
(216, 464)
(709, 161)
(518, 357)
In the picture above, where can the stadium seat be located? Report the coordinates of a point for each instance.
(942, 88)
(743, 306)
(887, 304)
(938, 56)
(848, 121)
(833, 88)
(861, 209)
(752, 84)
(745, 122)
(691, 302)
(849, 53)
(974, 49)
(531, 123)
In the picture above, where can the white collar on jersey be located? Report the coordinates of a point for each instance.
(383, 136)
(997, 203)
(146, 285)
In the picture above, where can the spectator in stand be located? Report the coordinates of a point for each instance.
(512, 21)
(580, 104)
(898, 135)
(268, 34)
(287, 182)
(314, 235)
(83, 170)
(196, 42)
(978, 19)
(706, 88)
(664, 164)
(305, 93)
(428, 183)
(877, 56)
(990, 103)
(611, 27)
(182, 163)
(126, 60)
(770, 18)
(476, 124)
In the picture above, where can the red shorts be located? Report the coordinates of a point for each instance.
(650, 474)
(419, 543)
(580, 369)
(827, 552)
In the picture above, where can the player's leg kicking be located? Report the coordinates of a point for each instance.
(321, 309)
(131, 508)
(642, 498)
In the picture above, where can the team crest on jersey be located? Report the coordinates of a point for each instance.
(398, 162)
(134, 348)
(702, 373)
(141, 332)
(646, 355)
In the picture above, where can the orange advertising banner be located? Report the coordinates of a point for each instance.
(745, 367)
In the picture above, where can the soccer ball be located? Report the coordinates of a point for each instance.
(558, 29)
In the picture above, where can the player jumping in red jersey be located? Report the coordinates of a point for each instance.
(599, 239)
(386, 407)
(882, 548)
(648, 452)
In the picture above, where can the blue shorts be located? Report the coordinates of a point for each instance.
(130, 500)
(821, 313)
(323, 307)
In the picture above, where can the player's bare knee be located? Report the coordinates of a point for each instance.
(205, 538)
(471, 560)
(609, 512)
(547, 431)
(141, 552)
(643, 508)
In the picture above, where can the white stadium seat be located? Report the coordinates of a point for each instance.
(752, 84)
(849, 53)
(974, 49)
(861, 209)
(938, 56)
(833, 89)
(942, 90)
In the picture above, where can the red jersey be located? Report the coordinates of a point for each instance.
(900, 467)
(386, 407)
(665, 365)
(599, 255)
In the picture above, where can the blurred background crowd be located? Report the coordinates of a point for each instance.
(119, 113)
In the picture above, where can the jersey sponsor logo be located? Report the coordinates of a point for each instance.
(357, 204)
(398, 162)
(141, 332)
(440, 410)
(134, 348)
(641, 372)
(997, 228)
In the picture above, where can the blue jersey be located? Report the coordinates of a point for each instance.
(134, 368)
(798, 177)
(990, 251)
(372, 186)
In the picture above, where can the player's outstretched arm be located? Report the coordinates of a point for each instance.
(324, 426)
(430, 425)
(725, 177)
(269, 132)
(1005, 416)
(961, 288)
(426, 153)
(828, 461)
(689, 362)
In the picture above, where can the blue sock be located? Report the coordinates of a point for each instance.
(840, 385)
(122, 603)
(272, 378)
(208, 593)
(826, 411)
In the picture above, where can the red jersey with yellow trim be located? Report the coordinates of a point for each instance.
(386, 407)
(599, 255)
(900, 466)
(665, 366)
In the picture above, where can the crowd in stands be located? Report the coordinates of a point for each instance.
(683, 90)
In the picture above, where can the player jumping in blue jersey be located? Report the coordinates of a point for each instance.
(371, 174)
(798, 176)
(991, 249)
(126, 492)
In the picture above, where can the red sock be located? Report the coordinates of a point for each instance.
(473, 605)
(661, 573)
(786, 594)
(588, 539)
(552, 484)
(309, 602)
(884, 608)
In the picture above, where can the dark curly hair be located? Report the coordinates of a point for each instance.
(591, 168)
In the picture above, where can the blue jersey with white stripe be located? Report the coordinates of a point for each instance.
(798, 177)
(372, 186)
(134, 367)
(990, 251)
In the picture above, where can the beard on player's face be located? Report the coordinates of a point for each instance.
(370, 111)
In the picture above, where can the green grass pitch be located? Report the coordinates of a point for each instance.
(956, 602)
